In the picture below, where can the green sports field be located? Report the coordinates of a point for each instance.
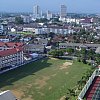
(47, 79)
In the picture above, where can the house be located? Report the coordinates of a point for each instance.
(28, 29)
(7, 95)
(38, 48)
(41, 41)
(26, 39)
(9, 45)
(78, 45)
(11, 57)
(4, 40)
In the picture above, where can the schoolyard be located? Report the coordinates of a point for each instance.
(46, 79)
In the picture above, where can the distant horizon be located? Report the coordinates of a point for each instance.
(16, 12)
(57, 12)
(77, 6)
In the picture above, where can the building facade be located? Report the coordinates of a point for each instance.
(91, 90)
(26, 19)
(10, 58)
(37, 13)
(34, 48)
(63, 11)
(9, 45)
(78, 46)
(49, 15)
(7, 95)
(56, 30)
(1, 29)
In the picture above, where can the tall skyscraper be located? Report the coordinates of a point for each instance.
(37, 13)
(49, 15)
(63, 11)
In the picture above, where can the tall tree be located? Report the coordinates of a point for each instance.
(19, 20)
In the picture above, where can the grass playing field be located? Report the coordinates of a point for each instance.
(47, 79)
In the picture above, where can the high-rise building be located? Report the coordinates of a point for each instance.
(37, 13)
(63, 11)
(49, 15)
(3, 29)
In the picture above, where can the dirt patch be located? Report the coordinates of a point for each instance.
(28, 98)
(41, 82)
(18, 93)
(53, 58)
(29, 85)
(63, 98)
(66, 65)
(67, 73)
(53, 75)
(50, 87)
(42, 94)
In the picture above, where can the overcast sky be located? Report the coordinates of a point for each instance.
(78, 6)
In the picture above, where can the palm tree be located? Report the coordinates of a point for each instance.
(67, 98)
(84, 78)
(80, 83)
(71, 92)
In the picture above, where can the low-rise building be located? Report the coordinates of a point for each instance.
(4, 40)
(29, 29)
(41, 41)
(53, 29)
(11, 57)
(7, 95)
(78, 45)
(37, 48)
(9, 45)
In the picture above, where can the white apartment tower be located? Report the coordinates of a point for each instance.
(63, 11)
(1, 29)
(37, 13)
(49, 15)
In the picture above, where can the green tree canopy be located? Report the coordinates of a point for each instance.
(19, 20)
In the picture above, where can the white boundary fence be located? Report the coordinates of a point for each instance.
(86, 87)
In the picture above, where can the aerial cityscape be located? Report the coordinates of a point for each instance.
(50, 50)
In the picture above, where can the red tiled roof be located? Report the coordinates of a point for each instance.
(10, 51)
(2, 44)
(11, 44)
(92, 88)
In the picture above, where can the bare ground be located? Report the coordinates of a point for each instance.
(18, 93)
(42, 94)
(53, 58)
(62, 98)
(28, 98)
(41, 82)
(50, 87)
(65, 65)
(53, 75)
